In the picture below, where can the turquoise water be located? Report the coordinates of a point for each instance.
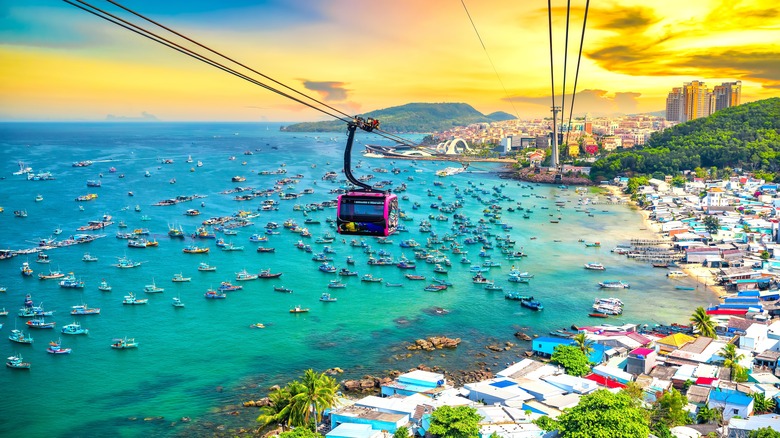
(194, 361)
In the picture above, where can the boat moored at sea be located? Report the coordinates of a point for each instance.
(299, 309)
(180, 278)
(83, 309)
(104, 286)
(19, 337)
(614, 284)
(124, 343)
(55, 347)
(153, 288)
(325, 297)
(132, 300)
(594, 266)
(245, 275)
(214, 295)
(532, 304)
(74, 328)
(205, 267)
(17, 362)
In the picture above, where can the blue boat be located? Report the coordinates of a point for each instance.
(326, 298)
(532, 304)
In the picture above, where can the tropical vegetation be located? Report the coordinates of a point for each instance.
(455, 422)
(703, 323)
(745, 136)
(762, 404)
(669, 410)
(301, 403)
(572, 359)
(731, 358)
(603, 414)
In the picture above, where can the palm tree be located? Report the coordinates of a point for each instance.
(703, 323)
(279, 409)
(583, 343)
(317, 393)
(761, 404)
(731, 358)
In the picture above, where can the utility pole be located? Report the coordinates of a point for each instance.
(554, 158)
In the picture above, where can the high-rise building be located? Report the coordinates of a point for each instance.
(727, 94)
(694, 100)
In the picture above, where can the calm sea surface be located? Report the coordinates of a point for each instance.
(195, 361)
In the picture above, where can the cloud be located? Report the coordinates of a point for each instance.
(632, 19)
(762, 67)
(328, 91)
(593, 102)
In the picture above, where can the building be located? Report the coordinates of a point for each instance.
(674, 104)
(727, 94)
(415, 382)
(733, 403)
(641, 360)
(694, 100)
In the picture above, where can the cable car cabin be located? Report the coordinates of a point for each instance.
(367, 213)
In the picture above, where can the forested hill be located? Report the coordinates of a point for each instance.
(746, 136)
(412, 117)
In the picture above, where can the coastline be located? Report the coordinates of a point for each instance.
(704, 276)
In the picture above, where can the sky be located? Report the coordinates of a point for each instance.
(60, 63)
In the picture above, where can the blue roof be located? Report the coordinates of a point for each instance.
(503, 383)
(731, 396)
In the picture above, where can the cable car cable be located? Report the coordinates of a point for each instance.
(577, 72)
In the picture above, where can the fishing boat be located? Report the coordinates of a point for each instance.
(104, 286)
(440, 269)
(388, 284)
(614, 284)
(57, 231)
(258, 238)
(299, 309)
(684, 287)
(17, 362)
(205, 267)
(336, 284)
(74, 328)
(327, 268)
(266, 273)
(244, 275)
(177, 302)
(532, 304)
(131, 299)
(55, 347)
(259, 325)
(265, 249)
(194, 249)
(26, 270)
(40, 324)
(88, 258)
(676, 274)
(493, 286)
(153, 288)
(435, 288)
(231, 247)
(227, 286)
(598, 315)
(594, 266)
(70, 282)
(125, 263)
(344, 272)
(283, 289)
(479, 279)
(19, 337)
(370, 279)
(124, 343)
(414, 277)
(52, 275)
(42, 258)
(325, 297)
(214, 295)
(180, 278)
(593, 245)
(3, 312)
(83, 309)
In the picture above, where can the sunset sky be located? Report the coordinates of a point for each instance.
(60, 63)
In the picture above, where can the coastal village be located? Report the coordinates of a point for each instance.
(726, 372)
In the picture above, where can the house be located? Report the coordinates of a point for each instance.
(351, 430)
(545, 347)
(732, 402)
(503, 391)
(507, 422)
(375, 419)
(415, 382)
(741, 427)
(641, 360)
(673, 342)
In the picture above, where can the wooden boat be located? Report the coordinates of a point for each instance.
(335, 284)
(598, 315)
(205, 267)
(299, 309)
(104, 286)
(40, 324)
(74, 329)
(83, 309)
(180, 278)
(124, 343)
(19, 337)
(131, 299)
(214, 295)
(177, 302)
(55, 347)
(153, 288)
(266, 273)
(370, 279)
(283, 289)
(244, 275)
(17, 362)
(193, 249)
(325, 297)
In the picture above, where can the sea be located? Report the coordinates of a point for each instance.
(195, 365)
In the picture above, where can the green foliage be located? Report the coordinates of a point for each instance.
(669, 410)
(494, 435)
(764, 432)
(661, 430)
(707, 415)
(764, 255)
(761, 404)
(603, 414)
(300, 432)
(634, 391)
(731, 358)
(702, 323)
(572, 359)
(301, 403)
(583, 343)
(402, 432)
(635, 183)
(455, 422)
(678, 181)
(766, 176)
(412, 117)
(711, 224)
(546, 423)
(745, 136)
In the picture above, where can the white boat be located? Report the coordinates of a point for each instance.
(153, 288)
(180, 278)
(676, 274)
(177, 302)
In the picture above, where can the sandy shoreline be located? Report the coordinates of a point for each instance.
(704, 276)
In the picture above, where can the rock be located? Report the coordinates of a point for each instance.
(523, 336)
(351, 385)
(494, 348)
(249, 404)
(274, 388)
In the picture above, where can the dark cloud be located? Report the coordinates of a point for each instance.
(635, 19)
(329, 91)
(762, 67)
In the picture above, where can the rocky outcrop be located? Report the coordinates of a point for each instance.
(434, 343)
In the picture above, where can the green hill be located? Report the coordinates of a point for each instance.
(412, 117)
(745, 136)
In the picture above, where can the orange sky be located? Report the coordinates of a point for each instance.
(60, 63)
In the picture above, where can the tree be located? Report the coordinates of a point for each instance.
(711, 224)
(703, 323)
(318, 393)
(401, 432)
(601, 414)
(669, 409)
(300, 432)
(455, 422)
(764, 432)
(279, 411)
(634, 391)
(761, 404)
(583, 343)
(707, 415)
(731, 359)
(572, 359)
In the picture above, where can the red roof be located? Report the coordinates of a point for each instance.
(706, 380)
(642, 351)
(603, 381)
